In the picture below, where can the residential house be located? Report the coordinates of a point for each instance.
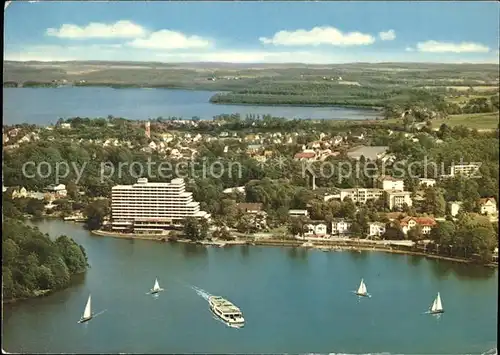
(25, 139)
(316, 228)
(298, 213)
(314, 145)
(254, 148)
(305, 156)
(488, 206)
(358, 136)
(376, 229)
(454, 207)
(167, 137)
(390, 183)
(426, 224)
(65, 125)
(427, 182)
(239, 189)
(397, 198)
(57, 191)
(251, 208)
(336, 140)
(340, 226)
(21, 193)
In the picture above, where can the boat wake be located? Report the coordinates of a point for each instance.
(202, 293)
(98, 314)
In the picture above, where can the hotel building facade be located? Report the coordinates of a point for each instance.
(146, 207)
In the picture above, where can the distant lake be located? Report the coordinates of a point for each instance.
(46, 105)
(294, 301)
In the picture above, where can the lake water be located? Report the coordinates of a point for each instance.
(46, 105)
(294, 301)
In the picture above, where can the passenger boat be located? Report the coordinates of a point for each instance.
(226, 311)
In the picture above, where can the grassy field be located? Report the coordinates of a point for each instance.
(476, 120)
(479, 121)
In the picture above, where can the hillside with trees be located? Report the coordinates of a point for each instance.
(33, 264)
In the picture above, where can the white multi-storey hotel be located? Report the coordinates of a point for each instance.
(152, 206)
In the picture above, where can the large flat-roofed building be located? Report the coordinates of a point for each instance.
(361, 195)
(396, 198)
(465, 169)
(390, 183)
(470, 170)
(152, 206)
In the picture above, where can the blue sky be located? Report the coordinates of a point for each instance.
(253, 32)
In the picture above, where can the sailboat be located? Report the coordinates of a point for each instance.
(156, 288)
(362, 290)
(87, 313)
(437, 306)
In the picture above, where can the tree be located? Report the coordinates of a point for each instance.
(435, 202)
(415, 234)
(73, 254)
(296, 226)
(72, 190)
(356, 229)
(443, 233)
(222, 233)
(348, 209)
(95, 212)
(35, 207)
(245, 224)
(192, 229)
(204, 227)
(393, 231)
(33, 262)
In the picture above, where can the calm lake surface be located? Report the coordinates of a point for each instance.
(293, 300)
(46, 105)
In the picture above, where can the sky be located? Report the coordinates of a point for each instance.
(315, 32)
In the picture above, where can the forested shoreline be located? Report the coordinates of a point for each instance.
(33, 264)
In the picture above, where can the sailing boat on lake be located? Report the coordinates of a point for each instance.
(362, 290)
(437, 306)
(156, 288)
(87, 313)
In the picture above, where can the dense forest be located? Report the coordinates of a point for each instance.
(32, 263)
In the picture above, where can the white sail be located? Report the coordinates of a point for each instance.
(88, 310)
(362, 288)
(156, 287)
(437, 305)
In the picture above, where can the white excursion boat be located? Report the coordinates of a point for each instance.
(156, 288)
(437, 306)
(226, 311)
(87, 313)
(362, 289)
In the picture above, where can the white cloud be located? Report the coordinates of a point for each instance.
(117, 52)
(166, 39)
(318, 36)
(409, 49)
(443, 47)
(389, 35)
(120, 29)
